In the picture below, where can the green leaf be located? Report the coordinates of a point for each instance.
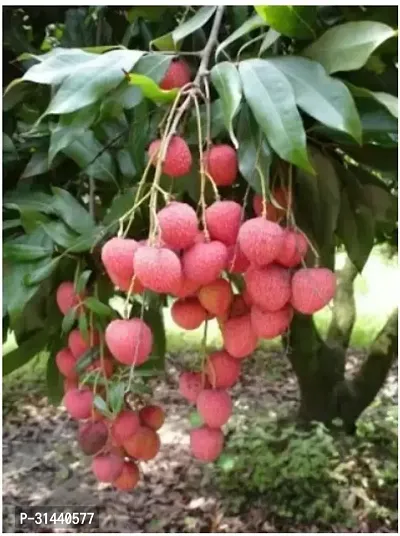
(378, 158)
(348, 46)
(195, 419)
(54, 381)
(31, 201)
(152, 13)
(324, 98)
(226, 80)
(83, 325)
(151, 90)
(69, 320)
(91, 355)
(390, 102)
(116, 397)
(253, 23)
(37, 165)
(61, 234)
(83, 281)
(153, 65)
(101, 406)
(91, 81)
(25, 352)
(254, 153)
(165, 42)
(119, 206)
(125, 163)
(293, 21)
(15, 92)
(191, 25)
(25, 252)
(41, 273)
(277, 116)
(98, 307)
(71, 211)
(271, 37)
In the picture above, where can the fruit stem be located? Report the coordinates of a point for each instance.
(264, 193)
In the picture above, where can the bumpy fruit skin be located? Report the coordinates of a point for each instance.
(269, 325)
(281, 197)
(124, 426)
(188, 313)
(158, 269)
(204, 263)
(223, 221)
(239, 338)
(237, 262)
(66, 364)
(206, 443)
(78, 345)
(294, 249)
(177, 75)
(178, 224)
(92, 437)
(215, 407)
(312, 289)
(186, 288)
(261, 240)
(144, 445)
(222, 164)
(269, 287)
(222, 370)
(152, 416)
(117, 257)
(129, 341)
(79, 403)
(190, 385)
(107, 467)
(216, 297)
(178, 158)
(129, 477)
(66, 297)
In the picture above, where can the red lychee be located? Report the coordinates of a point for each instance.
(117, 257)
(222, 164)
(177, 75)
(152, 416)
(190, 385)
(281, 197)
(312, 289)
(237, 262)
(294, 249)
(178, 158)
(269, 325)
(214, 407)
(107, 467)
(178, 224)
(79, 403)
(188, 313)
(261, 240)
(239, 338)
(66, 297)
(78, 345)
(223, 221)
(204, 263)
(216, 297)
(222, 370)
(186, 288)
(66, 364)
(129, 341)
(144, 445)
(206, 443)
(158, 269)
(92, 437)
(129, 477)
(269, 287)
(125, 425)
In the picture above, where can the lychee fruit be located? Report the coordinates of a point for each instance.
(178, 158)
(204, 263)
(79, 403)
(206, 443)
(117, 257)
(214, 407)
(144, 445)
(222, 370)
(129, 341)
(223, 221)
(92, 437)
(268, 325)
(312, 289)
(237, 262)
(78, 345)
(239, 338)
(294, 249)
(216, 297)
(261, 240)
(190, 385)
(221, 164)
(158, 269)
(66, 364)
(177, 75)
(125, 425)
(186, 288)
(188, 313)
(70, 384)
(129, 477)
(178, 224)
(152, 416)
(275, 214)
(269, 287)
(66, 297)
(107, 467)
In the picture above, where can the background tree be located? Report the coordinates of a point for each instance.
(307, 96)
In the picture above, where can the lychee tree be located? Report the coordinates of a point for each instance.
(215, 156)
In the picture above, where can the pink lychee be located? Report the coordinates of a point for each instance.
(129, 341)
(261, 240)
